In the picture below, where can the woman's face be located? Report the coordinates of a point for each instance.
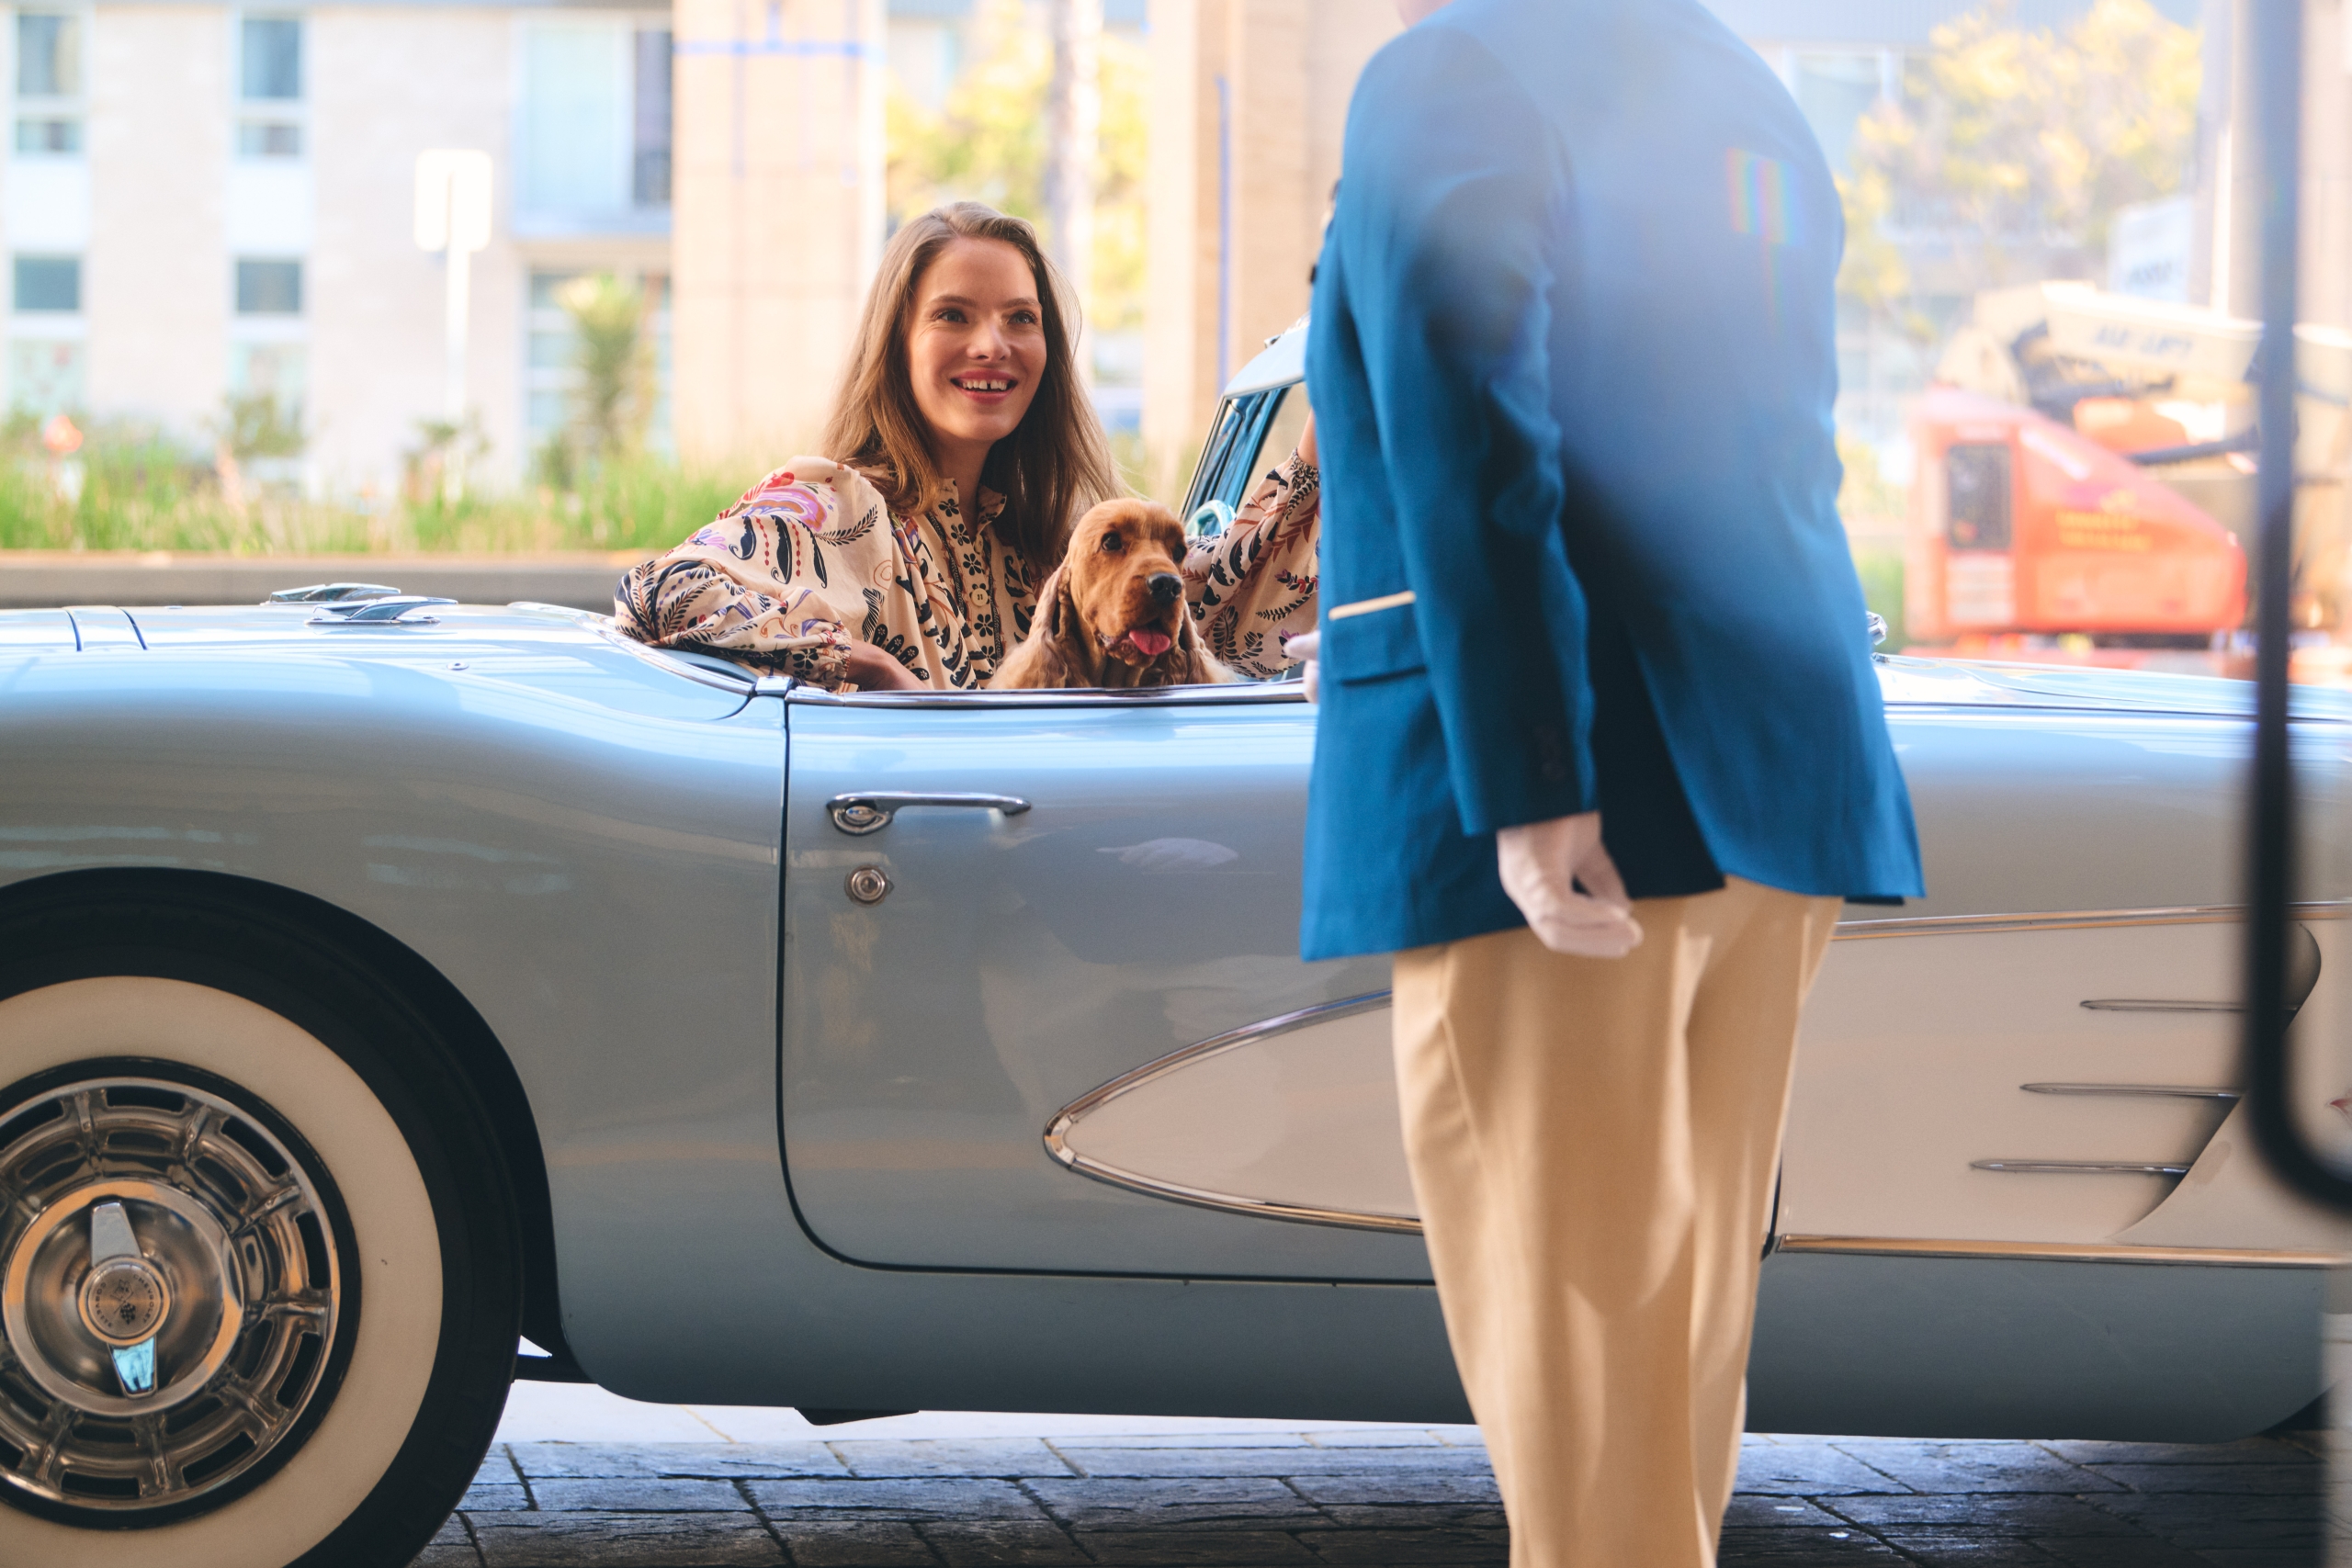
(975, 347)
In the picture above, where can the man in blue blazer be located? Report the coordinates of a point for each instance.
(1573, 362)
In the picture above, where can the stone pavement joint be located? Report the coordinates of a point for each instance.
(1360, 1499)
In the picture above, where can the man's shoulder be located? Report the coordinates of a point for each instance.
(1433, 75)
(1546, 48)
(1447, 49)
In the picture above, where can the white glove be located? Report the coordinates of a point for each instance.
(1304, 648)
(1542, 864)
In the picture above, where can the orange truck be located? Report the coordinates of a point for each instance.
(2085, 465)
(2021, 524)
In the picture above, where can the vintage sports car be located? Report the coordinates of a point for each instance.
(383, 978)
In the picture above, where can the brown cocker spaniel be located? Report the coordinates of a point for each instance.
(1113, 615)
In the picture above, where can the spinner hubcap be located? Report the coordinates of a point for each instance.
(170, 1294)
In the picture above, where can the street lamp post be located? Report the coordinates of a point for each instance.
(453, 218)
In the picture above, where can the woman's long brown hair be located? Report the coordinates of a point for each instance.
(1055, 463)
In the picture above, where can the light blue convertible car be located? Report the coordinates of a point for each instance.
(381, 979)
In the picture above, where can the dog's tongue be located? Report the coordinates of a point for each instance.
(1150, 643)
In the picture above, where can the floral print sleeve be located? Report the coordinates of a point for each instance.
(810, 558)
(1254, 584)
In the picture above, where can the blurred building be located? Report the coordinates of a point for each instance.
(202, 202)
(1251, 100)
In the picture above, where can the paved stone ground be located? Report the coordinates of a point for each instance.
(1358, 1499)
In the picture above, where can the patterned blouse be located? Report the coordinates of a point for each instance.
(810, 558)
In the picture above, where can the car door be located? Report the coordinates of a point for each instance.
(1041, 1002)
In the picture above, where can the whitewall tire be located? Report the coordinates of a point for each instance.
(253, 1283)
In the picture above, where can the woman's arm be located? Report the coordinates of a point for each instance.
(1254, 585)
(769, 583)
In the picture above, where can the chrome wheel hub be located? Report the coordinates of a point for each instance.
(170, 1294)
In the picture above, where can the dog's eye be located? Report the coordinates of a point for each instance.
(1112, 544)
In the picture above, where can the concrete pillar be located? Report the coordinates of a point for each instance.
(1249, 109)
(777, 216)
(385, 83)
(1184, 219)
(155, 283)
(2328, 165)
(2225, 271)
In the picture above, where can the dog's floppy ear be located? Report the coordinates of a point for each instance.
(1193, 667)
(1050, 600)
(1070, 652)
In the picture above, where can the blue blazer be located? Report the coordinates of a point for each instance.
(1572, 359)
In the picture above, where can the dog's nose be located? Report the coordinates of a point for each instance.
(1167, 587)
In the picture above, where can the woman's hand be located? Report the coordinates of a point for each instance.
(1306, 442)
(874, 670)
(1305, 650)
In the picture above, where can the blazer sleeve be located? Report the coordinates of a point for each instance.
(1448, 225)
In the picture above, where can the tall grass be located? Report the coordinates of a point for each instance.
(130, 488)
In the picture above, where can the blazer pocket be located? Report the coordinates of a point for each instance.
(1366, 644)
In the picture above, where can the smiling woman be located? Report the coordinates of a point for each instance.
(864, 569)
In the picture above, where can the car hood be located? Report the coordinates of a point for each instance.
(566, 654)
(1990, 683)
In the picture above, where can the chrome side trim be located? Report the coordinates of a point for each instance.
(2136, 1004)
(329, 593)
(2070, 920)
(398, 609)
(2077, 1167)
(2065, 1252)
(1145, 697)
(1057, 1130)
(2151, 1090)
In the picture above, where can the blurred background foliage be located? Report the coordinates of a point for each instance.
(129, 486)
(2016, 148)
(2004, 155)
(986, 142)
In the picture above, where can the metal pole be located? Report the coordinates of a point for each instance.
(2276, 37)
(453, 386)
(1073, 129)
(1224, 234)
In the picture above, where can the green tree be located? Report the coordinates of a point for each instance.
(2014, 146)
(986, 142)
(611, 404)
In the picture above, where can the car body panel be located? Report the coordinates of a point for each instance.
(1147, 899)
(594, 845)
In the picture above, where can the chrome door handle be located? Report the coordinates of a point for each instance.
(871, 811)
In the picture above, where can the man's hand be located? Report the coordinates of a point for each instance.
(1543, 864)
(1305, 648)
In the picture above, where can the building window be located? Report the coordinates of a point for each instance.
(269, 368)
(1835, 90)
(48, 285)
(592, 128)
(49, 83)
(269, 87)
(45, 335)
(649, 166)
(44, 376)
(269, 287)
(551, 356)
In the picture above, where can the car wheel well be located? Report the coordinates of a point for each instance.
(479, 1055)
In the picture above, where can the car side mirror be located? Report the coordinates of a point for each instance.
(1878, 628)
(1208, 519)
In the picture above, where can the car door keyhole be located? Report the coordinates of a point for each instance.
(869, 884)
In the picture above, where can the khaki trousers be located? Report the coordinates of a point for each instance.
(1593, 1144)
